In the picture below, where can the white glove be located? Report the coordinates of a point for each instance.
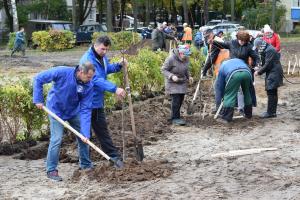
(174, 78)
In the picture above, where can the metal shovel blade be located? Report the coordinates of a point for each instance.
(190, 108)
(139, 152)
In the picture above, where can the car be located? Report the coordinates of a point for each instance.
(41, 25)
(226, 28)
(84, 32)
(211, 24)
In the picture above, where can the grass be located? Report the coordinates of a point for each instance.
(287, 37)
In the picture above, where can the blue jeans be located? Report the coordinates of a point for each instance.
(57, 130)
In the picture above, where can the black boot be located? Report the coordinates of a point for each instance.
(272, 107)
(248, 111)
(227, 114)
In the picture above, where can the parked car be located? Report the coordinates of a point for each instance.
(226, 28)
(84, 32)
(211, 24)
(41, 25)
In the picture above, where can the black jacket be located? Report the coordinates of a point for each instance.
(238, 51)
(271, 65)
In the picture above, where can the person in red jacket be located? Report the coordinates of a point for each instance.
(271, 38)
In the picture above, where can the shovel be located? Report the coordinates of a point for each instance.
(81, 137)
(139, 152)
(190, 109)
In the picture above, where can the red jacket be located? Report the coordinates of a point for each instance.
(274, 41)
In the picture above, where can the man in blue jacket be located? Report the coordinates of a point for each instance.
(233, 74)
(70, 98)
(97, 56)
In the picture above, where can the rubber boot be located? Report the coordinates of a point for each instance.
(248, 111)
(227, 115)
(272, 107)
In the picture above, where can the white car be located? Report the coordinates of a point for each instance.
(211, 24)
(226, 28)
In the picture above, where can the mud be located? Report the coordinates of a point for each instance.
(132, 172)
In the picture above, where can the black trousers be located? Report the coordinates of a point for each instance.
(272, 101)
(99, 126)
(177, 100)
(210, 60)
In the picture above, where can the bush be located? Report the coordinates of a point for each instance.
(11, 41)
(53, 40)
(144, 74)
(19, 117)
(120, 40)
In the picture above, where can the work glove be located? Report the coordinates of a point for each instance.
(191, 80)
(174, 78)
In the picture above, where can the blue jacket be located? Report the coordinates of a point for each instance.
(227, 69)
(99, 80)
(68, 97)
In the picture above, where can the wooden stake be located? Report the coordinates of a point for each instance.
(242, 152)
(289, 66)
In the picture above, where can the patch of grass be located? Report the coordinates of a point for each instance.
(287, 37)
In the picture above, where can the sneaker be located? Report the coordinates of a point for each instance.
(54, 175)
(179, 122)
(267, 115)
(117, 163)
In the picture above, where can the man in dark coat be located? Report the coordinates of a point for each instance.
(159, 38)
(270, 61)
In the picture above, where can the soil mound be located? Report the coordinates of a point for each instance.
(133, 171)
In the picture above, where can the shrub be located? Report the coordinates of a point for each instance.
(11, 40)
(18, 114)
(120, 40)
(53, 40)
(144, 74)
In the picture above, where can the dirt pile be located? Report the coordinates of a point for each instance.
(133, 49)
(133, 171)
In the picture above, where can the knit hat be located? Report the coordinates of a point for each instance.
(257, 43)
(267, 29)
(185, 49)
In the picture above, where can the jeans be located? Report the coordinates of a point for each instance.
(100, 127)
(57, 130)
(177, 100)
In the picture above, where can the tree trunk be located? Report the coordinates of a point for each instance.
(147, 5)
(273, 14)
(205, 11)
(123, 4)
(9, 16)
(174, 12)
(109, 15)
(185, 11)
(15, 15)
(74, 16)
(232, 10)
(100, 11)
(135, 14)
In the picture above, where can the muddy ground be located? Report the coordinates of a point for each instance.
(178, 162)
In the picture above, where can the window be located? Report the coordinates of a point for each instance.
(58, 26)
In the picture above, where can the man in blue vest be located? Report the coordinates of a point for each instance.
(70, 98)
(97, 56)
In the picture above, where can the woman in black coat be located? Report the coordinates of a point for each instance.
(270, 61)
